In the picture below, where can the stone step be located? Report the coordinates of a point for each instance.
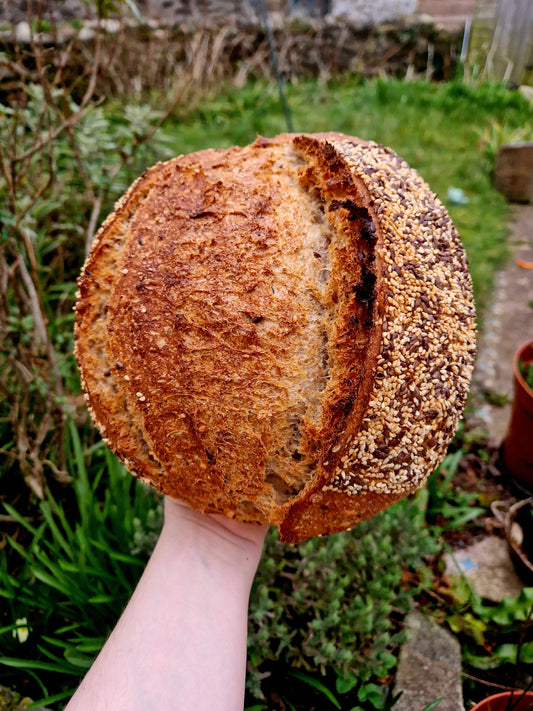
(429, 667)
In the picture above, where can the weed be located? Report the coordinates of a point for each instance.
(526, 369)
(330, 604)
(446, 508)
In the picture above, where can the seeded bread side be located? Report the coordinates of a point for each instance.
(426, 350)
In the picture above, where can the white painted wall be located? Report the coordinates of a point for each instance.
(364, 13)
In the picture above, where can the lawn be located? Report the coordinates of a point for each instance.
(445, 131)
(325, 617)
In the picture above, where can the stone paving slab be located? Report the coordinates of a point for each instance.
(488, 567)
(507, 324)
(429, 667)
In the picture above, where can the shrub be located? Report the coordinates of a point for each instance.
(63, 163)
(334, 604)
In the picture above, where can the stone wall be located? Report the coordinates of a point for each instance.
(357, 13)
(227, 42)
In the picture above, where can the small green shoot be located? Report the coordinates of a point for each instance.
(526, 369)
(451, 509)
(316, 684)
(432, 705)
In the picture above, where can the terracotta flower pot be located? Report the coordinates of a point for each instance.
(507, 701)
(517, 453)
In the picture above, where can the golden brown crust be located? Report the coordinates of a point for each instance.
(252, 323)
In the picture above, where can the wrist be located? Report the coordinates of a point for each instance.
(214, 540)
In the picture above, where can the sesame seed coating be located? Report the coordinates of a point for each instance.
(428, 331)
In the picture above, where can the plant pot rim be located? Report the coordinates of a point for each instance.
(519, 693)
(516, 369)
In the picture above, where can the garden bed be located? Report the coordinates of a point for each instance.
(326, 617)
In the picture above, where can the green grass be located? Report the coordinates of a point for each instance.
(438, 128)
(63, 589)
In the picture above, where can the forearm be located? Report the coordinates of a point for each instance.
(181, 642)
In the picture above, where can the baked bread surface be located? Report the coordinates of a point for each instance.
(282, 333)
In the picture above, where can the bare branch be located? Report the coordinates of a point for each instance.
(41, 335)
(59, 474)
(71, 121)
(9, 180)
(144, 138)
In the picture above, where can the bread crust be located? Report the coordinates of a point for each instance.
(258, 331)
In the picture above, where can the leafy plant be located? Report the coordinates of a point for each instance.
(316, 684)
(493, 635)
(496, 638)
(41, 25)
(446, 508)
(63, 161)
(330, 604)
(336, 603)
(526, 369)
(64, 589)
(499, 133)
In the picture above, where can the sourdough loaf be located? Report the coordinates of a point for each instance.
(282, 333)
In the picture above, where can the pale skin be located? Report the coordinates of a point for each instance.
(181, 642)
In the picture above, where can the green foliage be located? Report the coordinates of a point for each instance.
(447, 508)
(432, 705)
(329, 604)
(499, 133)
(64, 163)
(108, 8)
(328, 611)
(74, 575)
(492, 635)
(100, 157)
(526, 369)
(316, 684)
(435, 127)
(41, 25)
